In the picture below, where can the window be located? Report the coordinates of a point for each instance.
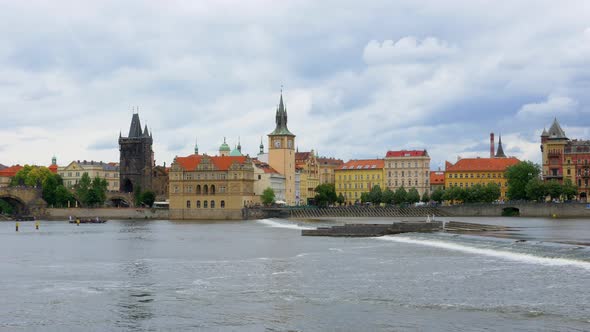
(188, 204)
(259, 176)
(205, 190)
(198, 204)
(205, 204)
(212, 204)
(212, 189)
(222, 204)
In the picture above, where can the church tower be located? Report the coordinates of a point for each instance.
(136, 158)
(281, 152)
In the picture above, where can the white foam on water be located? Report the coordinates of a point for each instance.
(276, 224)
(525, 258)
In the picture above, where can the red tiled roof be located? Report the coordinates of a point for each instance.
(10, 171)
(302, 155)
(362, 164)
(481, 164)
(264, 166)
(330, 161)
(437, 177)
(221, 162)
(406, 153)
(53, 168)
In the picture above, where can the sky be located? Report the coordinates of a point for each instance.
(359, 78)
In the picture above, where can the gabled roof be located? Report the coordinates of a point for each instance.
(10, 171)
(362, 164)
(406, 153)
(221, 163)
(555, 132)
(481, 164)
(437, 177)
(330, 161)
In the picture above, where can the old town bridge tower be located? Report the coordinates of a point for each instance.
(136, 158)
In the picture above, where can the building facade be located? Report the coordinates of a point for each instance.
(281, 152)
(408, 168)
(309, 178)
(267, 177)
(437, 180)
(72, 173)
(199, 182)
(327, 168)
(468, 172)
(358, 176)
(136, 158)
(566, 159)
(7, 173)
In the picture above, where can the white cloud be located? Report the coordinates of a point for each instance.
(407, 49)
(553, 106)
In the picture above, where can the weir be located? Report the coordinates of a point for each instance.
(374, 230)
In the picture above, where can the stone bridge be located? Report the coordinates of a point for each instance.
(523, 209)
(25, 200)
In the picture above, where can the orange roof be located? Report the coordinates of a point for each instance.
(302, 155)
(437, 177)
(406, 153)
(264, 166)
(10, 171)
(222, 163)
(53, 168)
(362, 164)
(481, 164)
(330, 161)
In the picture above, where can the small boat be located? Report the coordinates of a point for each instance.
(96, 220)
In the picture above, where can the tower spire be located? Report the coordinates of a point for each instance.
(500, 153)
(196, 146)
(261, 146)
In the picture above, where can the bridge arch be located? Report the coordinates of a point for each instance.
(510, 211)
(14, 205)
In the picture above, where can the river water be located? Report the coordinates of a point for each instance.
(264, 276)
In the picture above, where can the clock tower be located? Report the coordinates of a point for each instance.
(281, 152)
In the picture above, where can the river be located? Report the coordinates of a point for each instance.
(264, 276)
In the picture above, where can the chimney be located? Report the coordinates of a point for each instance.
(492, 148)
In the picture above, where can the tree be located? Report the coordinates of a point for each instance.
(341, 199)
(82, 188)
(63, 196)
(137, 195)
(387, 196)
(517, 177)
(425, 197)
(375, 195)
(413, 196)
(570, 191)
(268, 196)
(437, 195)
(454, 194)
(365, 197)
(554, 189)
(536, 190)
(491, 193)
(325, 194)
(400, 195)
(5, 207)
(97, 192)
(49, 187)
(148, 198)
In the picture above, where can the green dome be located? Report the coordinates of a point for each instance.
(224, 147)
(235, 153)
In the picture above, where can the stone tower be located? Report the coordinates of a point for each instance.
(136, 158)
(281, 152)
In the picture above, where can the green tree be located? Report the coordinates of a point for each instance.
(413, 196)
(570, 191)
(454, 194)
(5, 207)
(400, 195)
(536, 190)
(268, 196)
(63, 196)
(554, 189)
(437, 195)
(97, 192)
(82, 189)
(49, 189)
(137, 193)
(517, 177)
(148, 198)
(375, 195)
(491, 193)
(365, 197)
(425, 197)
(387, 196)
(325, 194)
(31, 176)
(341, 199)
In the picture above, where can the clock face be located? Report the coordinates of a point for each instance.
(277, 143)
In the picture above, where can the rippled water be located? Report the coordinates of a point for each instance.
(264, 276)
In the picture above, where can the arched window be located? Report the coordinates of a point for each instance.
(212, 189)
(212, 204)
(222, 204)
(205, 190)
(198, 204)
(198, 189)
(188, 204)
(205, 204)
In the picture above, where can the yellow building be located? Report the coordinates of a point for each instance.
(281, 152)
(201, 183)
(72, 173)
(327, 168)
(358, 176)
(468, 172)
(309, 169)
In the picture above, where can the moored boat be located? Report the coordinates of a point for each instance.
(96, 220)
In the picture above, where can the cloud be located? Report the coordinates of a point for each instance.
(407, 49)
(108, 143)
(553, 106)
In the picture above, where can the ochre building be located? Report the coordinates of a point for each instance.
(309, 169)
(327, 167)
(358, 176)
(408, 168)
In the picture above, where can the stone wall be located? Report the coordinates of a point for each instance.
(556, 210)
(107, 213)
(206, 214)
